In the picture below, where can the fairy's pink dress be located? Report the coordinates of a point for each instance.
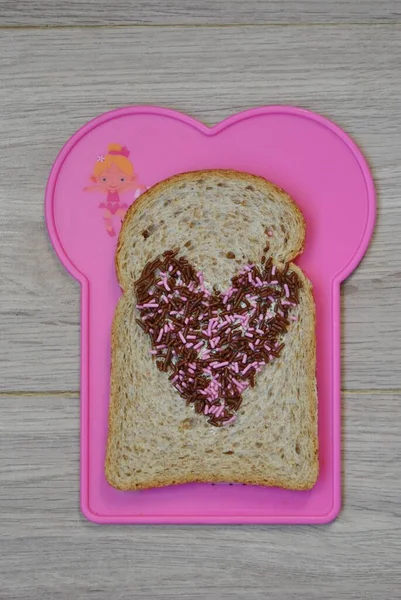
(113, 203)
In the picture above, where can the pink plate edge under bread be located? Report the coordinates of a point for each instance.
(323, 171)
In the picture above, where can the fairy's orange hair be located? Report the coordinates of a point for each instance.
(116, 155)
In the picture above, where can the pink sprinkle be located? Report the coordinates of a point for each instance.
(287, 290)
(275, 282)
(259, 281)
(159, 337)
(192, 365)
(233, 418)
(206, 410)
(222, 364)
(249, 335)
(174, 378)
(273, 270)
(260, 331)
(170, 268)
(228, 306)
(271, 357)
(186, 320)
(220, 410)
(252, 347)
(191, 337)
(236, 368)
(270, 233)
(152, 351)
(280, 312)
(149, 305)
(189, 345)
(257, 342)
(294, 318)
(191, 370)
(161, 347)
(166, 285)
(237, 383)
(244, 358)
(184, 341)
(245, 371)
(271, 298)
(198, 345)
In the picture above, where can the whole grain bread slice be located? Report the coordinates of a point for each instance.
(220, 220)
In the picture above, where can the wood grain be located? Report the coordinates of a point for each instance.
(53, 81)
(153, 12)
(49, 551)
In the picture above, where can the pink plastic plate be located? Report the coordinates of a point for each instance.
(326, 174)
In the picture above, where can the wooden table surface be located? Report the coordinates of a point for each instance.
(62, 63)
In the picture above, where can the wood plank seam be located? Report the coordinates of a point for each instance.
(201, 25)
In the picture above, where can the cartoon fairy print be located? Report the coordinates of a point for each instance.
(113, 175)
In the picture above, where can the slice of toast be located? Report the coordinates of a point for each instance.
(220, 221)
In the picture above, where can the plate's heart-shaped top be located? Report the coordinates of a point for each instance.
(310, 158)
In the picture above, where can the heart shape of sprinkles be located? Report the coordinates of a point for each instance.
(214, 343)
